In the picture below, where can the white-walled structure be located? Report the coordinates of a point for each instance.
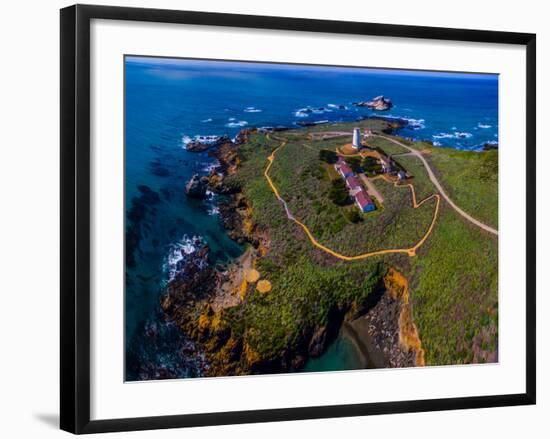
(356, 143)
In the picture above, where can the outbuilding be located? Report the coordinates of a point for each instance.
(364, 202)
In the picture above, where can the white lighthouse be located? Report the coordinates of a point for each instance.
(356, 143)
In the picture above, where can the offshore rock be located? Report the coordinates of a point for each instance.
(379, 103)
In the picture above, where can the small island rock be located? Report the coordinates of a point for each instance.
(379, 103)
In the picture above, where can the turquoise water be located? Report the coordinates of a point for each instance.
(340, 355)
(168, 102)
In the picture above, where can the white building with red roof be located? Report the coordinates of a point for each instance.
(353, 184)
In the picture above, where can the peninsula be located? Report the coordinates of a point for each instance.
(345, 225)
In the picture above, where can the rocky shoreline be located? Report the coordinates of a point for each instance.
(201, 297)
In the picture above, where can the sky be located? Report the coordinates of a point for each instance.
(201, 64)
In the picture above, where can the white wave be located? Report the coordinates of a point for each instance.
(436, 143)
(252, 110)
(416, 124)
(484, 125)
(302, 112)
(206, 120)
(231, 118)
(178, 252)
(209, 167)
(443, 136)
(454, 135)
(306, 111)
(240, 123)
(337, 107)
(185, 140)
(213, 210)
(320, 110)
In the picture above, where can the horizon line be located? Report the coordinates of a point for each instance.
(254, 65)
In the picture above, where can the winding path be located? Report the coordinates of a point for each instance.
(408, 251)
(436, 183)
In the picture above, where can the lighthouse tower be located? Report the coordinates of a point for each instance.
(356, 143)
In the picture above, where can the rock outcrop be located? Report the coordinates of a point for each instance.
(196, 187)
(379, 103)
(204, 143)
(243, 136)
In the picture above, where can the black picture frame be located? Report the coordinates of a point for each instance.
(75, 217)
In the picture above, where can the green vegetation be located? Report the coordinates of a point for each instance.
(338, 192)
(355, 164)
(386, 146)
(373, 124)
(309, 199)
(353, 215)
(328, 156)
(470, 179)
(307, 284)
(453, 278)
(454, 289)
(371, 166)
(422, 184)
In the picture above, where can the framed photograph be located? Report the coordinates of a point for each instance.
(268, 218)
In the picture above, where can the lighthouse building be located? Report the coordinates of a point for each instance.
(356, 143)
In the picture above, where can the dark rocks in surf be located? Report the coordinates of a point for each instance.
(158, 338)
(394, 124)
(196, 187)
(204, 143)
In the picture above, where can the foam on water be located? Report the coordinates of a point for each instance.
(178, 254)
(484, 125)
(454, 135)
(211, 138)
(240, 123)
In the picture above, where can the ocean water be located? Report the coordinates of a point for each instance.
(169, 102)
(340, 355)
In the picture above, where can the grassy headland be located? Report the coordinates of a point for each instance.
(453, 278)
